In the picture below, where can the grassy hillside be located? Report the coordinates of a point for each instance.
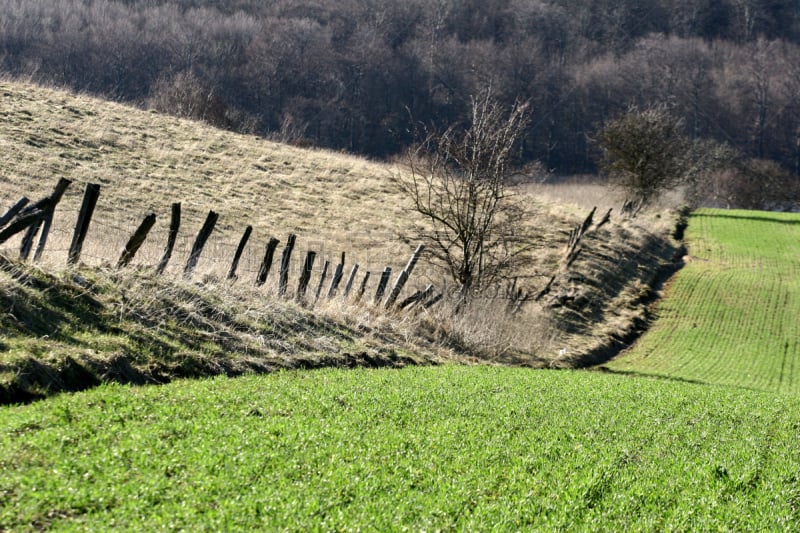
(464, 448)
(731, 315)
(333, 202)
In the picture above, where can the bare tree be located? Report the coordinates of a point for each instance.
(458, 183)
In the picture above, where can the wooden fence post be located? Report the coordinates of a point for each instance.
(387, 273)
(416, 297)
(90, 197)
(266, 264)
(200, 242)
(403, 277)
(305, 276)
(337, 278)
(350, 280)
(286, 257)
(58, 192)
(13, 210)
(363, 287)
(239, 251)
(322, 279)
(136, 240)
(174, 226)
(30, 235)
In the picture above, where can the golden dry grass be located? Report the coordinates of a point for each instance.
(334, 203)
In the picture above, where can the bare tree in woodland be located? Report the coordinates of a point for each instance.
(458, 183)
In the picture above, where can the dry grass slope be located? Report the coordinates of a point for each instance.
(333, 202)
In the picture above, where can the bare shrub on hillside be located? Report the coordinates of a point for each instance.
(458, 184)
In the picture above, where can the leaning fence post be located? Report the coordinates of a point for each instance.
(200, 242)
(337, 278)
(174, 226)
(322, 279)
(305, 276)
(136, 240)
(403, 277)
(363, 287)
(286, 257)
(387, 273)
(82, 226)
(58, 192)
(30, 236)
(416, 297)
(350, 280)
(13, 210)
(266, 264)
(239, 251)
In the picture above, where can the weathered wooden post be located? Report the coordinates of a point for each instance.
(266, 264)
(387, 273)
(239, 251)
(322, 279)
(403, 277)
(27, 240)
(305, 276)
(337, 278)
(350, 281)
(136, 240)
(416, 297)
(363, 287)
(90, 197)
(200, 242)
(24, 220)
(286, 257)
(174, 226)
(58, 192)
(13, 210)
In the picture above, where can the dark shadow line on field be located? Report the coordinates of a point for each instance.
(633, 373)
(745, 217)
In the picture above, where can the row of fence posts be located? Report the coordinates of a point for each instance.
(38, 217)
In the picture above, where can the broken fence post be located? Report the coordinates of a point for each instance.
(239, 251)
(200, 242)
(174, 226)
(90, 197)
(136, 240)
(266, 264)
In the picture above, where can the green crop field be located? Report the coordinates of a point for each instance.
(732, 315)
(451, 447)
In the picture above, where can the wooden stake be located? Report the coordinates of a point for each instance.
(174, 226)
(239, 251)
(305, 276)
(90, 197)
(266, 264)
(200, 242)
(136, 240)
(286, 257)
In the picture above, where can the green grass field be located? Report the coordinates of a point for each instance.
(732, 315)
(468, 448)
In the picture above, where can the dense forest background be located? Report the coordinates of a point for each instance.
(362, 75)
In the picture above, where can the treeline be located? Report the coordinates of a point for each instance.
(362, 75)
